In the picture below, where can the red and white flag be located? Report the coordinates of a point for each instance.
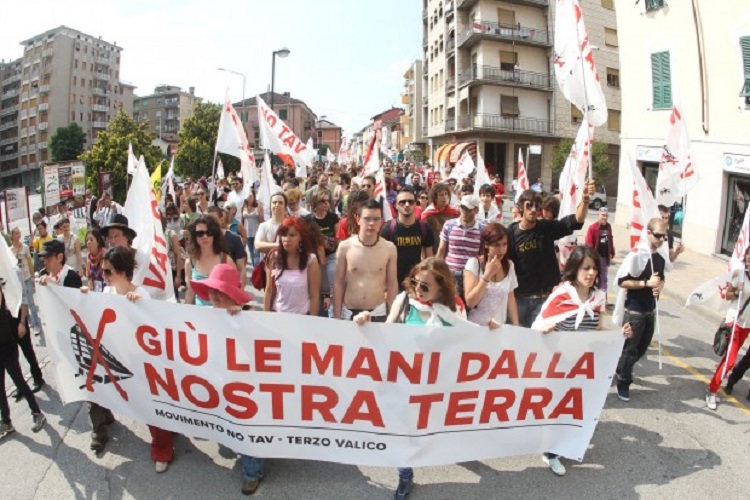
(523, 178)
(232, 140)
(677, 175)
(464, 167)
(564, 303)
(482, 176)
(372, 158)
(330, 156)
(279, 137)
(343, 150)
(574, 63)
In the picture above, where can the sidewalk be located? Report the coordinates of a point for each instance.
(691, 269)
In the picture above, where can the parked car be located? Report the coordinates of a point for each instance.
(599, 199)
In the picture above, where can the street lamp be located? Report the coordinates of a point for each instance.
(243, 82)
(281, 53)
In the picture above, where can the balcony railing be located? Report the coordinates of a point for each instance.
(468, 4)
(510, 77)
(44, 106)
(44, 89)
(13, 78)
(451, 44)
(103, 60)
(450, 85)
(450, 125)
(103, 108)
(43, 126)
(41, 145)
(23, 114)
(425, 100)
(99, 124)
(101, 76)
(32, 130)
(9, 110)
(99, 91)
(47, 53)
(481, 121)
(9, 125)
(511, 32)
(9, 156)
(10, 140)
(10, 93)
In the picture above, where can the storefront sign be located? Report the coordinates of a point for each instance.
(51, 186)
(739, 164)
(649, 153)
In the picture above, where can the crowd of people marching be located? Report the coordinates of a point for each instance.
(327, 245)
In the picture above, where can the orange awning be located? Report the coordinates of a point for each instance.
(458, 151)
(439, 152)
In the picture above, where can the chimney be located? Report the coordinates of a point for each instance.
(192, 90)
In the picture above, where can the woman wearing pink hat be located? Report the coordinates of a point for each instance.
(222, 289)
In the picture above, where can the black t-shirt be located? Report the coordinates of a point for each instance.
(328, 227)
(642, 299)
(8, 324)
(409, 244)
(603, 242)
(533, 253)
(234, 245)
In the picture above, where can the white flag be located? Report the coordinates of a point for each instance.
(330, 156)
(574, 63)
(153, 270)
(482, 176)
(343, 150)
(132, 160)
(9, 280)
(381, 193)
(220, 170)
(464, 167)
(676, 172)
(231, 138)
(278, 137)
(523, 178)
(372, 160)
(268, 184)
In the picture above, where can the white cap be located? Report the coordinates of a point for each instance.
(469, 201)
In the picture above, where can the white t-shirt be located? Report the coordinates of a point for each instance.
(236, 198)
(267, 231)
(744, 320)
(139, 290)
(494, 304)
(490, 215)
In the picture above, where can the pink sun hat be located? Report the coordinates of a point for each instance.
(226, 279)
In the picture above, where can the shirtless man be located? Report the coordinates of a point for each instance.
(365, 269)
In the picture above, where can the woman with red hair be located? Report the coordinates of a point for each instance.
(293, 270)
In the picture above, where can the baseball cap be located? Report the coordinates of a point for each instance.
(52, 247)
(470, 201)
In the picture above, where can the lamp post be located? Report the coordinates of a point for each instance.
(243, 82)
(281, 53)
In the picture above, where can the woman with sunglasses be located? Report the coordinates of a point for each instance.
(252, 216)
(201, 201)
(429, 299)
(175, 247)
(576, 304)
(423, 200)
(328, 222)
(206, 251)
(490, 278)
(293, 270)
(95, 245)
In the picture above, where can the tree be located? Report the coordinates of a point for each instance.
(110, 153)
(195, 155)
(600, 166)
(416, 155)
(67, 143)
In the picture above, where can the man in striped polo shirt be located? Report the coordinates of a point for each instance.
(459, 239)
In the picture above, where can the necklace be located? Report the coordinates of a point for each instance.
(365, 244)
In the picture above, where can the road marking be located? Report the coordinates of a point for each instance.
(698, 375)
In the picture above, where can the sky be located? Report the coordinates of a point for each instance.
(347, 58)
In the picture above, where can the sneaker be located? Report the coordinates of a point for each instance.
(404, 488)
(555, 465)
(250, 486)
(98, 443)
(38, 385)
(6, 428)
(161, 467)
(623, 392)
(711, 400)
(39, 421)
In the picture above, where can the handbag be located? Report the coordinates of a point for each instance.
(721, 337)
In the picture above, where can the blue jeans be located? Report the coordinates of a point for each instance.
(28, 292)
(252, 468)
(528, 309)
(252, 254)
(405, 474)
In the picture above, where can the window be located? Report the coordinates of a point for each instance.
(608, 4)
(283, 114)
(613, 120)
(655, 4)
(506, 17)
(576, 116)
(661, 80)
(613, 77)
(610, 37)
(745, 47)
(508, 60)
(509, 105)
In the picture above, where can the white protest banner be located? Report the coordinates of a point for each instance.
(278, 137)
(464, 167)
(9, 279)
(153, 270)
(51, 186)
(16, 204)
(677, 175)
(293, 386)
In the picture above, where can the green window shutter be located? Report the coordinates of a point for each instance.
(661, 80)
(745, 45)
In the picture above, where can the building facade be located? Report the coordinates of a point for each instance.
(489, 79)
(414, 133)
(698, 58)
(295, 113)
(165, 110)
(327, 134)
(10, 90)
(65, 76)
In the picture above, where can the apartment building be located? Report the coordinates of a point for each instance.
(328, 134)
(165, 110)
(10, 90)
(489, 80)
(411, 98)
(66, 76)
(696, 55)
(295, 113)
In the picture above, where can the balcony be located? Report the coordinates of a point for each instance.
(450, 124)
(23, 150)
(33, 92)
(47, 53)
(448, 9)
(99, 91)
(99, 124)
(405, 99)
(10, 93)
(37, 60)
(425, 100)
(43, 126)
(44, 89)
(23, 133)
(10, 140)
(101, 76)
(172, 103)
(8, 125)
(500, 123)
(32, 112)
(23, 114)
(450, 45)
(13, 78)
(9, 110)
(44, 106)
(9, 156)
(41, 145)
(32, 130)
(102, 108)
(450, 85)
(468, 4)
(494, 75)
(483, 30)
(103, 61)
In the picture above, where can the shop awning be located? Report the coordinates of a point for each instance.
(458, 151)
(439, 153)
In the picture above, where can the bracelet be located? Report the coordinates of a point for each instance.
(485, 279)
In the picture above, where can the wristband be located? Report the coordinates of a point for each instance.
(485, 279)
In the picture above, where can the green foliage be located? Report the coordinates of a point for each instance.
(67, 143)
(110, 153)
(195, 154)
(416, 155)
(601, 163)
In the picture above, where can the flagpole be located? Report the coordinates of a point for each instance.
(658, 328)
(734, 326)
(586, 103)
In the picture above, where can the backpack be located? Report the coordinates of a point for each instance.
(393, 223)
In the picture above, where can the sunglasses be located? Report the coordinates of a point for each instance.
(422, 197)
(406, 202)
(659, 236)
(423, 287)
(324, 201)
(107, 272)
(531, 204)
(173, 219)
(201, 234)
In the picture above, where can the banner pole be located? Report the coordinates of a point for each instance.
(734, 326)
(28, 212)
(658, 329)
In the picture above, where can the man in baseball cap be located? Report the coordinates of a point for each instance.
(459, 239)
